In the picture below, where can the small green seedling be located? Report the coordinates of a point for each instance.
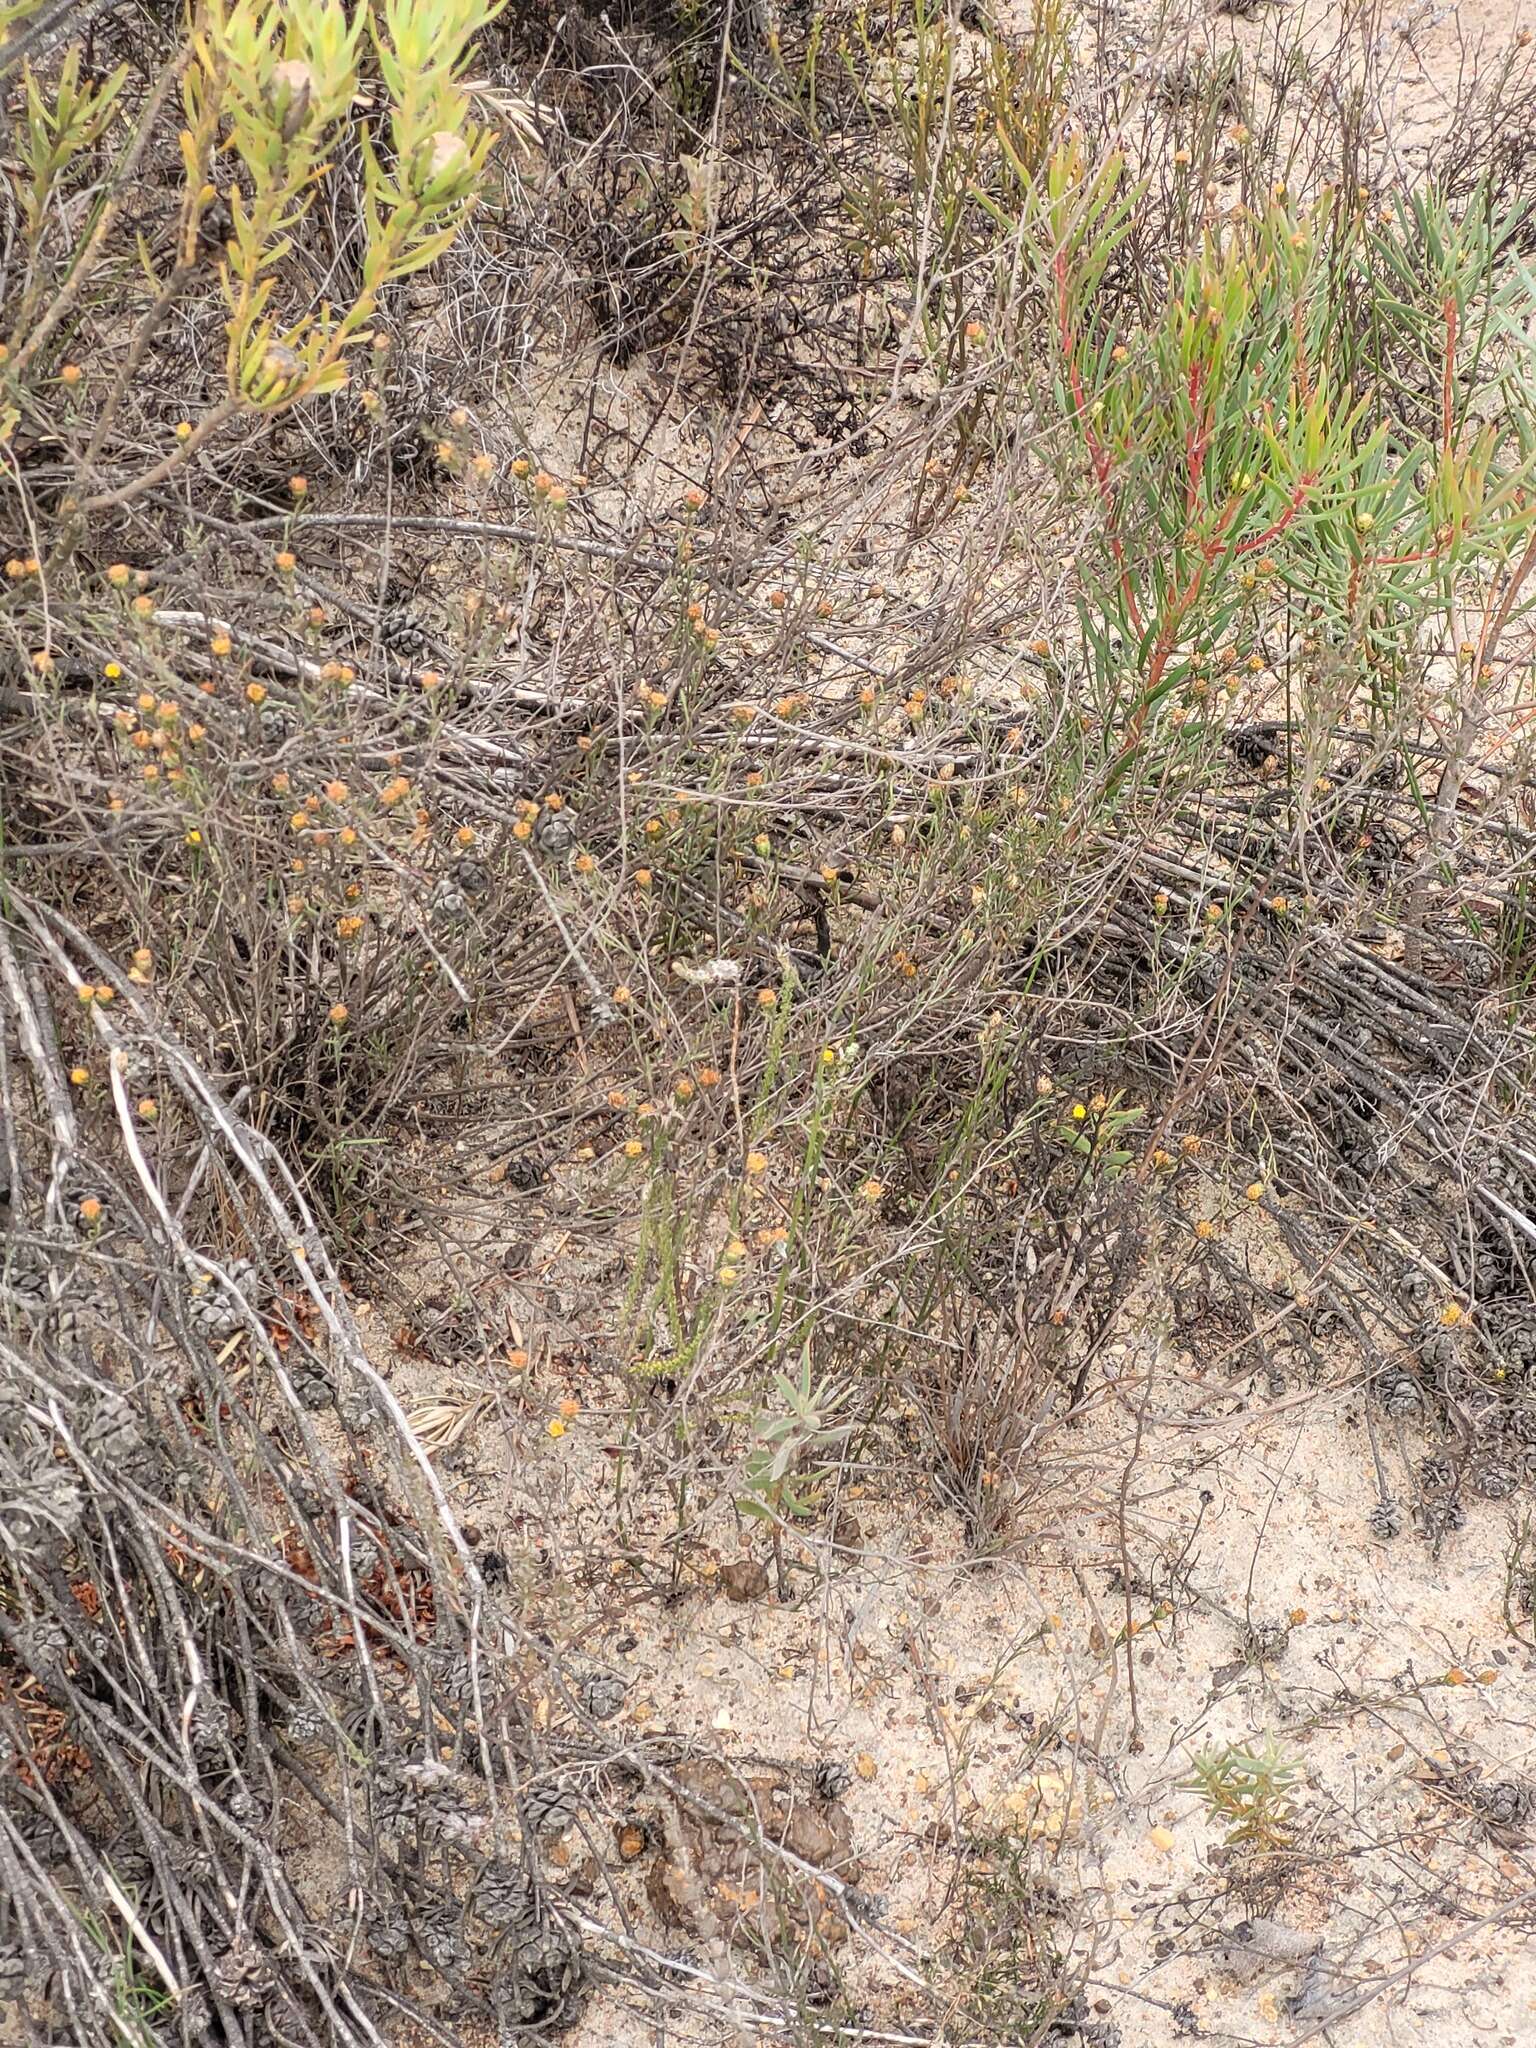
(1249, 1791)
(791, 1454)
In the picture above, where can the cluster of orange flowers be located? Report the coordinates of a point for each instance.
(155, 728)
(684, 1089)
(528, 809)
(708, 637)
(546, 488)
(120, 576)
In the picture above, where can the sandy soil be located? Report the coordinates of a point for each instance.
(1044, 1708)
(1038, 1713)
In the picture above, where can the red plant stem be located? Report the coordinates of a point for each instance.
(1167, 637)
(1185, 601)
(1097, 454)
(1404, 561)
(1298, 499)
